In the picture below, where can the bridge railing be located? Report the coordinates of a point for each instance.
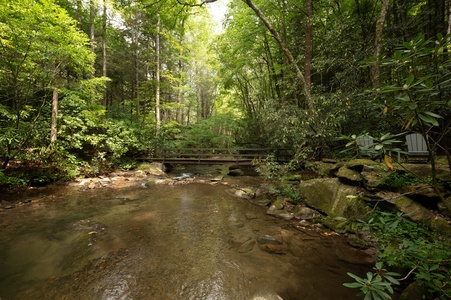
(206, 155)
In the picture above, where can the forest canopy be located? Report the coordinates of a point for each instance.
(89, 85)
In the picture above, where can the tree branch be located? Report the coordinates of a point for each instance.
(193, 5)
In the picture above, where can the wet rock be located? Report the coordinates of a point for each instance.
(250, 216)
(305, 213)
(277, 209)
(274, 249)
(139, 174)
(243, 193)
(260, 201)
(6, 205)
(183, 176)
(269, 240)
(247, 246)
(216, 179)
(236, 224)
(266, 295)
(240, 240)
(86, 225)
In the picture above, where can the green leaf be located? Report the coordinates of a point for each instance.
(352, 285)
(428, 119)
(354, 276)
(432, 114)
(410, 79)
(413, 106)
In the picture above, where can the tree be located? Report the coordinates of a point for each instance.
(284, 45)
(39, 41)
(375, 70)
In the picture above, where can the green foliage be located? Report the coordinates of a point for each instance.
(215, 132)
(292, 192)
(419, 76)
(396, 181)
(377, 285)
(39, 42)
(90, 141)
(408, 247)
(11, 182)
(377, 148)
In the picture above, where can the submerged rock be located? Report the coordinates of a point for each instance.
(86, 225)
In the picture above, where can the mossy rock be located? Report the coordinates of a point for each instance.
(349, 176)
(359, 163)
(413, 292)
(321, 168)
(416, 212)
(156, 169)
(331, 197)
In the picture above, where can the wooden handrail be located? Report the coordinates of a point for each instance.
(212, 155)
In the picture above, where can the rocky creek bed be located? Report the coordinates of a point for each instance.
(331, 194)
(148, 234)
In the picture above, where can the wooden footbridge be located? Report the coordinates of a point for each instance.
(216, 156)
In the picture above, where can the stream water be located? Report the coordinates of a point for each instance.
(191, 241)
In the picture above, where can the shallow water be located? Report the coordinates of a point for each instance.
(190, 241)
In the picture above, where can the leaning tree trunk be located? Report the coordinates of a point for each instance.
(284, 45)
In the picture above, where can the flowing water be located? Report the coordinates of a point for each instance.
(150, 241)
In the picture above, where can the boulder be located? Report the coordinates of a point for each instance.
(321, 168)
(416, 212)
(414, 292)
(277, 209)
(373, 177)
(305, 213)
(331, 197)
(153, 169)
(349, 176)
(243, 193)
(235, 172)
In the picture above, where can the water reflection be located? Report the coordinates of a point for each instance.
(165, 242)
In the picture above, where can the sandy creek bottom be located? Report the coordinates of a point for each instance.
(191, 241)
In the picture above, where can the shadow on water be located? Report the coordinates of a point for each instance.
(166, 242)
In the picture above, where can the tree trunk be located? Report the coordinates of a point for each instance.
(157, 78)
(91, 23)
(104, 55)
(79, 12)
(180, 107)
(308, 44)
(362, 23)
(449, 20)
(283, 44)
(378, 44)
(53, 126)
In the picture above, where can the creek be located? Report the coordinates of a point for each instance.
(150, 241)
